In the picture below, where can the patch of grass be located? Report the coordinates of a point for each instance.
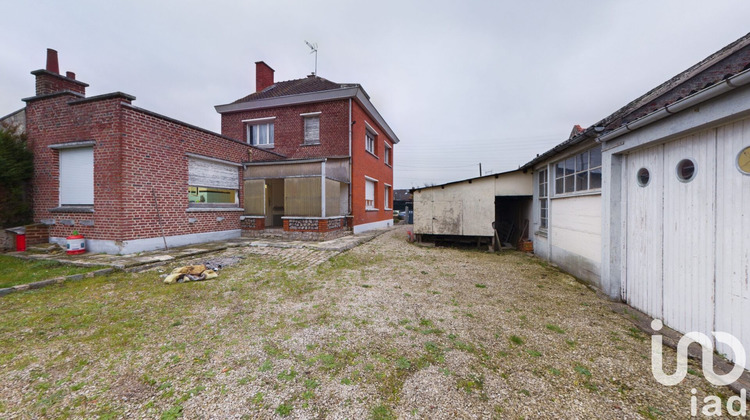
(17, 271)
(555, 372)
(472, 383)
(287, 375)
(403, 363)
(555, 328)
(258, 398)
(284, 409)
(516, 340)
(525, 392)
(583, 370)
(173, 413)
(480, 285)
(382, 412)
(534, 353)
(266, 366)
(650, 412)
(636, 333)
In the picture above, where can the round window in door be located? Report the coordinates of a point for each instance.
(643, 177)
(686, 170)
(743, 161)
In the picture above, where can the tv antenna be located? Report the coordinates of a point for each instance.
(314, 49)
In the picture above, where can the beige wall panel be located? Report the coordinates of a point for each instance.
(254, 197)
(302, 197)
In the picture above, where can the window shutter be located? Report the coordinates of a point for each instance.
(369, 190)
(204, 173)
(77, 176)
(312, 130)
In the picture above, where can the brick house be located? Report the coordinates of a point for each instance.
(337, 168)
(132, 180)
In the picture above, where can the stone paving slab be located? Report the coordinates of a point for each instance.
(145, 260)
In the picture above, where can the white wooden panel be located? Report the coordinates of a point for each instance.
(643, 281)
(423, 211)
(77, 176)
(447, 217)
(205, 173)
(689, 225)
(575, 225)
(732, 236)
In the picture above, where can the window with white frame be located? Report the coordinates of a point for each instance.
(582, 172)
(387, 197)
(370, 194)
(387, 154)
(212, 183)
(543, 201)
(312, 128)
(259, 132)
(76, 176)
(370, 141)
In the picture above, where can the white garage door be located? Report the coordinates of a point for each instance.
(688, 233)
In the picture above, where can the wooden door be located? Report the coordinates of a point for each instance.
(645, 211)
(689, 227)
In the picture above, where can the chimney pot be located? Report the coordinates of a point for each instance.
(263, 76)
(70, 75)
(52, 64)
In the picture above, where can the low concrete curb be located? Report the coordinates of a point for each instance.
(56, 280)
(670, 338)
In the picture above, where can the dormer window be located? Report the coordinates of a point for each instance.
(259, 131)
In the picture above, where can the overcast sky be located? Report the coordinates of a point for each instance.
(460, 83)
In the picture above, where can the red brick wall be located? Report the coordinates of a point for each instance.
(53, 120)
(289, 128)
(137, 154)
(47, 82)
(365, 164)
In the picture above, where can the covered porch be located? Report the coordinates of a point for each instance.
(302, 199)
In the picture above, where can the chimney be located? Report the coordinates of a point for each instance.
(49, 80)
(52, 65)
(263, 76)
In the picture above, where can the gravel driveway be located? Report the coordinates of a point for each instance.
(386, 330)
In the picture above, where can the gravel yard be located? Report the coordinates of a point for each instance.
(386, 330)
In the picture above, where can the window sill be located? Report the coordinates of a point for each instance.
(542, 233)
(205, 209)
(597, 191)
(72, 209)
(372, 209)
(373, 154)
(389, 165)
(310, 144)
(263, 146)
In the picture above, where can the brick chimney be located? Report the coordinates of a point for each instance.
(52, 64)
(49, 80)
(263, 76)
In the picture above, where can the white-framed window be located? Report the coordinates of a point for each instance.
(387, 154)
(370, 185)
(370, 142)
(543, 201)
(212, 183)
(311, 127)
(76, 176)
(582, 172)
(259, 131)
(387, 197)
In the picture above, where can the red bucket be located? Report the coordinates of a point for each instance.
(21, 242)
